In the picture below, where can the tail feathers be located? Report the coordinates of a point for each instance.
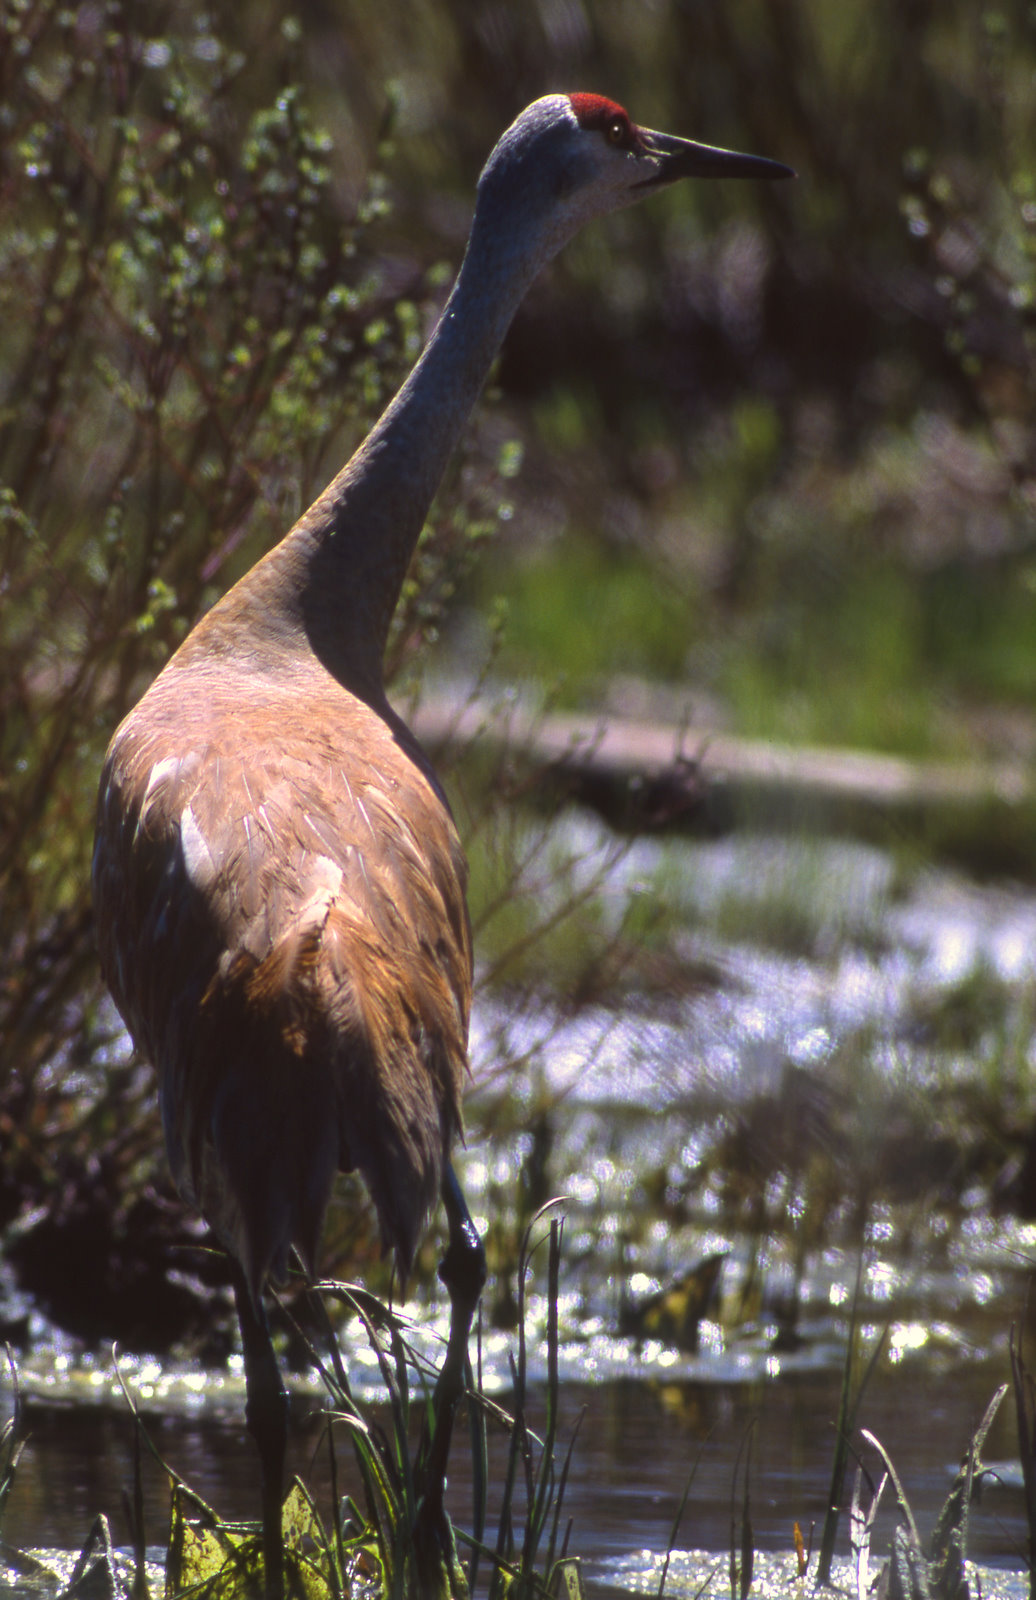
(328, 1055)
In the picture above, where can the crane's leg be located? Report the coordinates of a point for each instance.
(266, 1412)
(463, 1271)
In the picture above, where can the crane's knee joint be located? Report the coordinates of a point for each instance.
(462, 1269)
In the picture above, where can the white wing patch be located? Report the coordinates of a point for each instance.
(160, 772)
(324, 875)
(198, 859)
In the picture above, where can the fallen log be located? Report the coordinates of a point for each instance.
(644, 774)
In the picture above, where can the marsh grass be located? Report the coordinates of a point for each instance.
(854, 1385)
(518, 1544)
(11, 1438)
(365, 1546)
(917, 1569)
(1024, 1394)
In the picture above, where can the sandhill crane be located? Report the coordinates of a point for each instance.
(278, 882)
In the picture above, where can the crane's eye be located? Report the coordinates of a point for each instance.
(617, 132)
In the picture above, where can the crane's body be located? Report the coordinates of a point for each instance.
(279, 885)
(300, 969)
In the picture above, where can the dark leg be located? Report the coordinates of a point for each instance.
(266, 1412)
(463, 1271)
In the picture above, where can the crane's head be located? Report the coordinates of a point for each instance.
(571, 157)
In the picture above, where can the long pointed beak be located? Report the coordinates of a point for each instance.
(681, 158)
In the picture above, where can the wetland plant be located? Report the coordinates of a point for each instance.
(1025, 1415)
(915, 1571)
(365, 1548)
(849, 1404)
(11, 1440)
(368, 1548)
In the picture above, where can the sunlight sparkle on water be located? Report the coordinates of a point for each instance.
(814, 1045)
(882, 1280)
(710, 1338)
(583, 1188)
(953, 955)
(906, 1337)
(476, 1171)
(881, 1228)
(1014, 952)
(695, 1150)
(705, 1574)
(983, 1288)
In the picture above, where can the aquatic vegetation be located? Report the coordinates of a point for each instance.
(11, 1440)
(515, 1540)
(367, 1549)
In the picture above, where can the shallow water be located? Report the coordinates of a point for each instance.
(638, 1442)
(645, 1091)
(810, 940)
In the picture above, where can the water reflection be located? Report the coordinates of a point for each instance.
(637, 1444)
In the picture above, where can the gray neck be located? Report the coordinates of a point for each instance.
(345, 561)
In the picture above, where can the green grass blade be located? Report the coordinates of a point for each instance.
(677, 1520)
(479, 1438)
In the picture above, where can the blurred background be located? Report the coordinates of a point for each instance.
(759, 459)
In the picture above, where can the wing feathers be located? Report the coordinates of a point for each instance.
(290, 945)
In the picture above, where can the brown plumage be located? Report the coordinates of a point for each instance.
(299, 965)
